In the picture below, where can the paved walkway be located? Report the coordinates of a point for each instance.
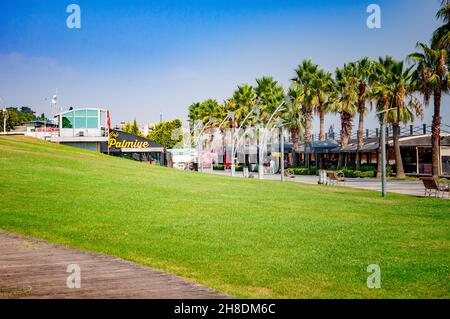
(31, 268)
(403, 187)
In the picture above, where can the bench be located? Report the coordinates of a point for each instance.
(431, 185)
(334, 178)
(289, 173)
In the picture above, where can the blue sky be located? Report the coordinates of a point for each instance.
(139, 58)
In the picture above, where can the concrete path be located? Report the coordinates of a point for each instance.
(402, 187)
(31, 268)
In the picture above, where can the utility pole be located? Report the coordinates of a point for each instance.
(383, 150)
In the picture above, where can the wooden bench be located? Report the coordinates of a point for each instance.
(432, 185)
(334, 178)
(289, 173)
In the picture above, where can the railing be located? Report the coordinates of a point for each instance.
(375, 133)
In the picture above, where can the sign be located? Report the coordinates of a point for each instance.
(276, 154)
(120, 140)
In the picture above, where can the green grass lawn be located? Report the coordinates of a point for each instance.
(248, 238)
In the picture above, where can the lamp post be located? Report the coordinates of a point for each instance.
(383, 150)
(280, 126)
(200, 145)
(260, 168)
(233, 151)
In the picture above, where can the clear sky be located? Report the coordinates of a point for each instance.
(142, 57)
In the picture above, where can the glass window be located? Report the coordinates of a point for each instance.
(80, 113)
(93, 113)
(67, 122)
(103, 119)
(92, 122)
(80, 122)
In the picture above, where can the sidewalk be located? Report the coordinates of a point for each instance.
(32, 268)
(402, 187)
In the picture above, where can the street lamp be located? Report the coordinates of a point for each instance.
(260, 168)
(200, 143)
(383, 150)
(255, 109)
(280, 126)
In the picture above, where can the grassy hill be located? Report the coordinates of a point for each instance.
(248, 238)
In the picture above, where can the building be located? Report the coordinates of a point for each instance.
(181, 158)
(84, 128)
(135, 147)
(415, 150)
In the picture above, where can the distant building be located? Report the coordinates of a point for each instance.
(135, 147)
(84, 128)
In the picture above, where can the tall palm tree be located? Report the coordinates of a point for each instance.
(441, 37)
(194, 113)
(393, 87)
(244, 99)
(292, 118)
(431, 77)
(345, 100)
(269, 95)
(305, 77)
(323, 86)
(363, 70)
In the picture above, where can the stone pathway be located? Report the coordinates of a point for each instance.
(31, 268)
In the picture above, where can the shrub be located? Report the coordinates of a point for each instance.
(368, 174)
(367, 168)
(304, 171)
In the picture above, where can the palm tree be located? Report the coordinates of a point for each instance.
(431, 77)
(393, 88)
(305, 77)
(344, 102)
(292, 118)
(194, 113)
(441, 37)
(363, 70)
(244, 100)
(323, 86)
(269, 95)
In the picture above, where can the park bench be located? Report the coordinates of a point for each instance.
(334, 178)
(289, 173)
(431, 185)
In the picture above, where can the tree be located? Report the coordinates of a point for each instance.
(135, 129)
(393, 89)
(345, 100)
(242, 103)
(127, 128)
(305, 78)
(15, 117)
(323, 87)
(163, 133)
(269, 95)
(292, 118)
(431, 77)
(441, 37)
(363, 70)
(194, 113)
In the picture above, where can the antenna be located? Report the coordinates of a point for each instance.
(55, 103)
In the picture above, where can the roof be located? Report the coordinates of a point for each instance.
(78, 109)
